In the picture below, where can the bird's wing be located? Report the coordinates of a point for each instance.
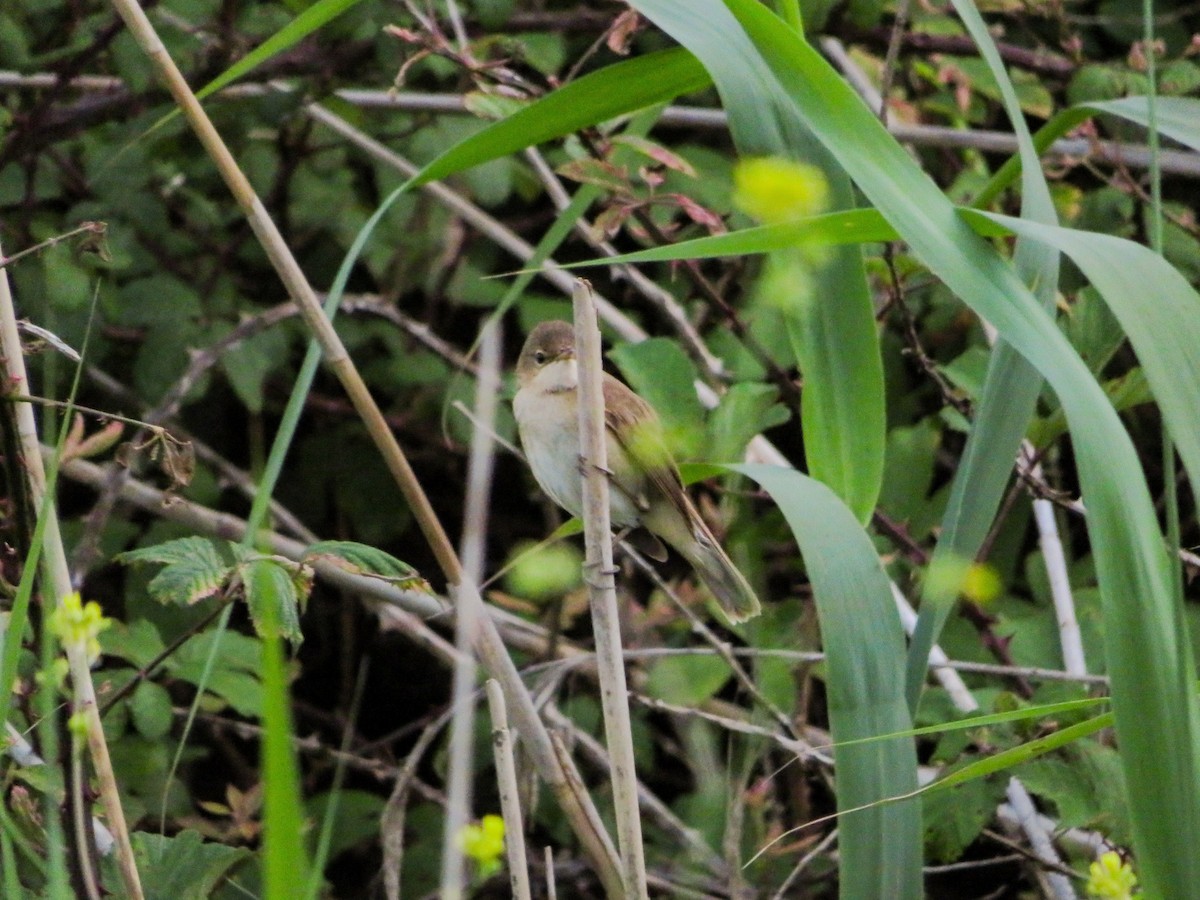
(635, 426)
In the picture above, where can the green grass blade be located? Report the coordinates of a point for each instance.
(1163, 324)
(1176, 117)
(1014, 756)
(312, 19)
(833, 333)
(1149, 654)
(864, 644)
(597, 97)
(285, 864)
(1010, 390)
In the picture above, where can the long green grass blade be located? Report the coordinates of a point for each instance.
(1010, 388)
(1163, 325)
(597, 97)
(1177, 117)
(880, 846)
(1149, 652)
(833, 332)
(285, 863)
(1014, 756)
(312, 19)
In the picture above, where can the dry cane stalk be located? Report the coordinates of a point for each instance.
(510, 793)
(602, 593)
(555, 769)
(57, 585)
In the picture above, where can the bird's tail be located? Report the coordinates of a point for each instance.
(727, 584)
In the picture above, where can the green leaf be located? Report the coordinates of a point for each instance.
(138, 641)
(235, 674)
(1014, 756)
(661, 373)
(176, 551)
(312, 19)
(745, 410)
(194, 569)
(363, 559)
(357, 822)
(953, 819)
(1176, 117)
(151, 709)
(272, 599)
(182, 867)
(687, 680)
(1010, 390)
(864, 648)
(248, 365)
(831, 324)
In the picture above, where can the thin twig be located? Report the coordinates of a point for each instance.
(510, 793)
(710, 637)
(466, 626)
(551, 883)
(392, 820)
(1055, 561)
(822, 845)
(1175, 162)
(895, 39)
(655, 810)
(96, 229)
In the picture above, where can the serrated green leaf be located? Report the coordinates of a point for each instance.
(194, 569)
(179, 550)
(272, 599)
(953, 819)
(182, 867)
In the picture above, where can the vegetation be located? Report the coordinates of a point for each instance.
(932, 365)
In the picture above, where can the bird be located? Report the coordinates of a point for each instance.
(647, 491)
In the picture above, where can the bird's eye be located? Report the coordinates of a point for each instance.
(539, 357)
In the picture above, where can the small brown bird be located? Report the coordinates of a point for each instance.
(646, 490)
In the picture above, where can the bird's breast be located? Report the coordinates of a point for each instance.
(549, 426)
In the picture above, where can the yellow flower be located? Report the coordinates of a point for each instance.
(484, 843)
(981, 583)
(79, 624)
(1111, 879)
(774, 190)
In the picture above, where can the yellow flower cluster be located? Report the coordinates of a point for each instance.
(484, 843)
(775, 190)
(1111, 879)
(78, 624)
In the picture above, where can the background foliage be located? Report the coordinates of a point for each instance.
(192, 330)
